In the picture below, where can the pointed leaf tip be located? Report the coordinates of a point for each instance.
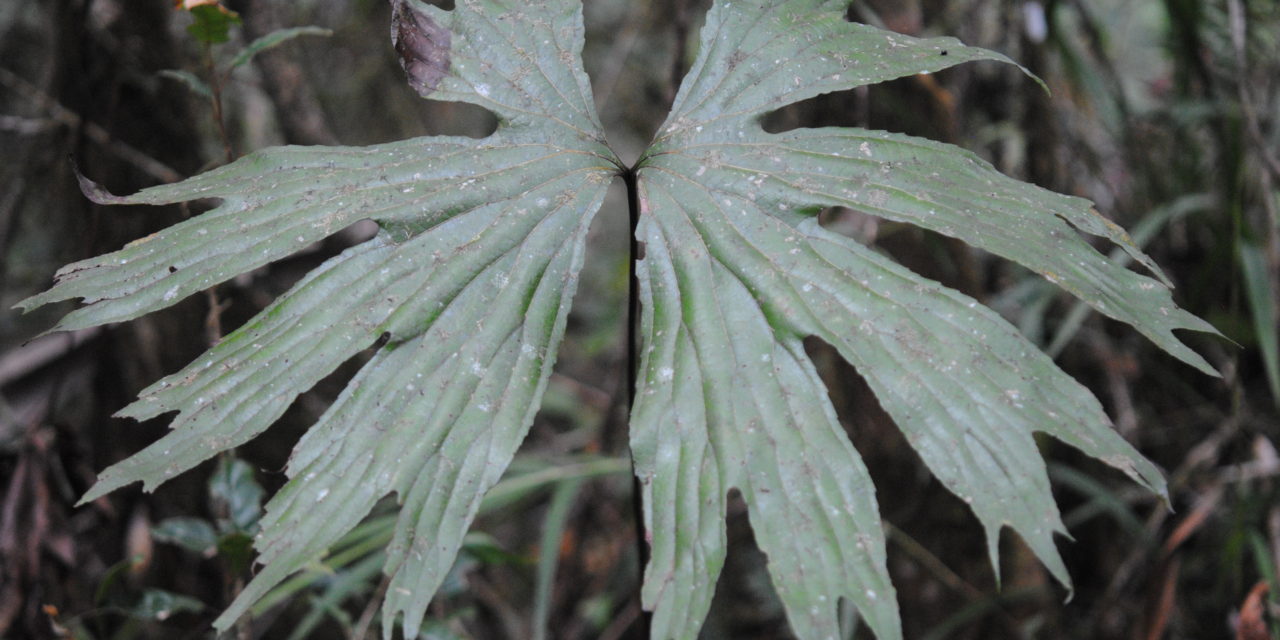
(423, 45)
(94, 191)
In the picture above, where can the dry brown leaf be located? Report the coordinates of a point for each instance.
(1253, 626)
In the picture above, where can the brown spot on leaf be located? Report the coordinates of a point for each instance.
(423, 46)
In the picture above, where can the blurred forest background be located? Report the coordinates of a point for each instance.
(1166, 113)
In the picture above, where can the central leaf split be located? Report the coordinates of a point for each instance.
(470, 281)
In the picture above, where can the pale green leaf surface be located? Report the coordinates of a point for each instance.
(726, 401)
(952, 192)
(435, 419)
(758, 56)
(469, 281)
(737, 272)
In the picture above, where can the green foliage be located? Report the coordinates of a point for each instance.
(465, 291)
(237, 498)
(234, 491)
(212, 24)
(192, 534)
(157, 604)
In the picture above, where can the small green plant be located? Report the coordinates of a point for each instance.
(237, 498)
(465, 290)
(211, 26)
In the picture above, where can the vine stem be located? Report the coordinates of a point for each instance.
(213, 320)
(633, 365)
(215, 87)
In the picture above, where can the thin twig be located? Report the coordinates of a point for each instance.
(244, 626)
(361, 630)
(512, 625)
(1239, 31)
(213, 318)
(941, 572)
(215, 97)
(94, 132)
(867, 14)
(302, 120)
(932, 564)
(588, 393)
(681, 28)
(40, 352)
(625, 619)
(624, 41)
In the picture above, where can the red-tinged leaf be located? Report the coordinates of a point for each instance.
(1253, 623)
